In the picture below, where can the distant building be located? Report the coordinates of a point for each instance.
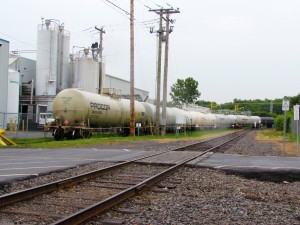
(122, 88)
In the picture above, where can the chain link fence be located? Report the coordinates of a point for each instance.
(18, 124)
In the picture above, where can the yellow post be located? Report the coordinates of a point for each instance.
(15, 125)
(10, 126)
(23, 125)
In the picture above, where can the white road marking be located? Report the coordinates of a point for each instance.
(217, 166)
(26, 168)
(18, 163)
(126, 150)
(15, 175)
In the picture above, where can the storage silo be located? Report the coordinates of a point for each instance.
(46, 59)
(64, 80)
(53, 45)
(13, 96)
(85, 73)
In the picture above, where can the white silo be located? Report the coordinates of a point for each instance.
(85, 72)
(64, 80)
(13, 96)
(53, 45)
(46, 59)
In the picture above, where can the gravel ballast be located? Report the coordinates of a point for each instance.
(204, 196)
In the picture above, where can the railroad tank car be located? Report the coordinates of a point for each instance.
(267, 122)
(78, 112)
(75, 108)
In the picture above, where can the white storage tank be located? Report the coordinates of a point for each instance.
(86, 74)
(64, 78)
(13, 96)
(53, 44)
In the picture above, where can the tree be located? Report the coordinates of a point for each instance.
(185, 91)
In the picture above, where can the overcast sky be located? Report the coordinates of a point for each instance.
(244, 49)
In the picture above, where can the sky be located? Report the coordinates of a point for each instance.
(234, 49)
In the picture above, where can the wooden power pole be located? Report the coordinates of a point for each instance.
(101, 60)
(160, 31)
(132, 110)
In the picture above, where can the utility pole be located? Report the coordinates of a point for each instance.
(165, 84)
(164, 107)
(271, 107)
(101, 31)
(158, 76)
(132, 110)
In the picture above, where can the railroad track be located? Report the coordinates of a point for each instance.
(77, 199)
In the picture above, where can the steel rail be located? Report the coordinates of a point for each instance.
(15, 197)
(102, 206)
(86, 214)
(204, 141)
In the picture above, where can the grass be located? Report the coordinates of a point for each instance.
(273, 134)
(49, 142)
(276, 137)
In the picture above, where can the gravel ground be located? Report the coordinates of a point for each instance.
(205, 196)
(249, 146)
(212, 197)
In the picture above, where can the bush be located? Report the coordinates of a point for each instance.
(279, 123)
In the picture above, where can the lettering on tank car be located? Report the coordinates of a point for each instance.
(96, 112)
(99, 106)
(66, 100)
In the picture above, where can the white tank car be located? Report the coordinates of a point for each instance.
(243, 120)
(256, 121)
(73, 106)
(78, 112)
(226, 120)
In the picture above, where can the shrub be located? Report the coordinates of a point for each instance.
(279, 123)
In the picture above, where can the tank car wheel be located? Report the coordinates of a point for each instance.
(58, 137)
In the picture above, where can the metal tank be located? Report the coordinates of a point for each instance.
(243, 120)
(85, 73)
(13, 94)
(64, 78)
(224, 121)
(255, 120)
(73, 106)
(196, 118)
(53, 45)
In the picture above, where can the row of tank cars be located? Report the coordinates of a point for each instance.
(78, 113)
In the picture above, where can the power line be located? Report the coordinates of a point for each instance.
(115, 7)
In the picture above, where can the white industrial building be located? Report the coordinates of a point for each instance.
(122, 88)
(9, 88)
(4, 48)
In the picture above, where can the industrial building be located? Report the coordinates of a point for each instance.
(9, 87)
(32, 85)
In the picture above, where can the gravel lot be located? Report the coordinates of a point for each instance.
(204, 196)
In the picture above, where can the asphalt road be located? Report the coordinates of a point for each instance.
(16, 164)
